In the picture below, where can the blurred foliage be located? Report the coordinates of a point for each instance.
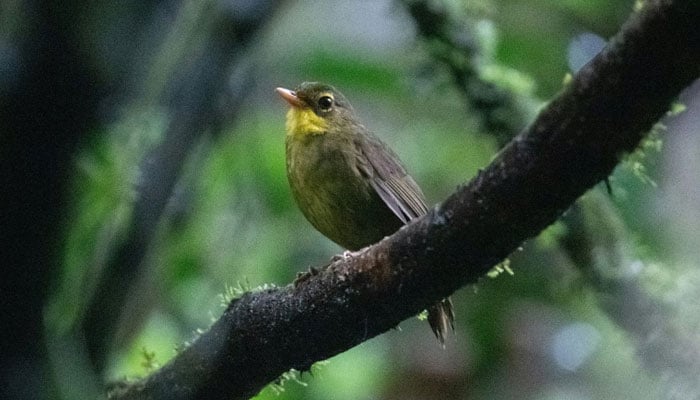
(231, 220)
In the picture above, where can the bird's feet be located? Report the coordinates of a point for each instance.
(347, 254)
(303, 276)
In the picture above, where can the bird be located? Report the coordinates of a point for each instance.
(348, 183)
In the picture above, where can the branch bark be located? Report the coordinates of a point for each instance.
(575, 142)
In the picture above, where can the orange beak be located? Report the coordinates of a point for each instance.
(290, 97)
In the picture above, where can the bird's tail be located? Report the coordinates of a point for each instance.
(441, 318)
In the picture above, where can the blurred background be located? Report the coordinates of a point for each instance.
(143, 159)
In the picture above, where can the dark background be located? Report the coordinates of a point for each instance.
(143, 178)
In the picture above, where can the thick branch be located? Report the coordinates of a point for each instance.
(192, 103)
(575, 142)
(49, 102)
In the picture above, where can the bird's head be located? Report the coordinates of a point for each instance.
(316, 109)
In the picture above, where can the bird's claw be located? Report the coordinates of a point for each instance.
(302, 276)
(346, 255)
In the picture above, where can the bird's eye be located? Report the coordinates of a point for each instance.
(325, 103)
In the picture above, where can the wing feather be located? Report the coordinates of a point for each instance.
(389, 179)
(406, 200)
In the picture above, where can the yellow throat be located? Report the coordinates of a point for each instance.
(304, 121)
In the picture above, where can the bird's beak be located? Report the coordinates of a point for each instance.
(290, 97)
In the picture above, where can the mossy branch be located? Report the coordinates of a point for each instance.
(453, 45)
(575, 142)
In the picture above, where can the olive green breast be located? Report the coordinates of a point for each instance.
(333, 194)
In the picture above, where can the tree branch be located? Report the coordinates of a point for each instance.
(192, 103)
(453, 45)
(575, 142)
(49, 102)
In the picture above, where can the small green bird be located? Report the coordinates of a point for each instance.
(347, 182)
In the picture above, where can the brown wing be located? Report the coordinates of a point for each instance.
(389, 179)
(403, 196)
